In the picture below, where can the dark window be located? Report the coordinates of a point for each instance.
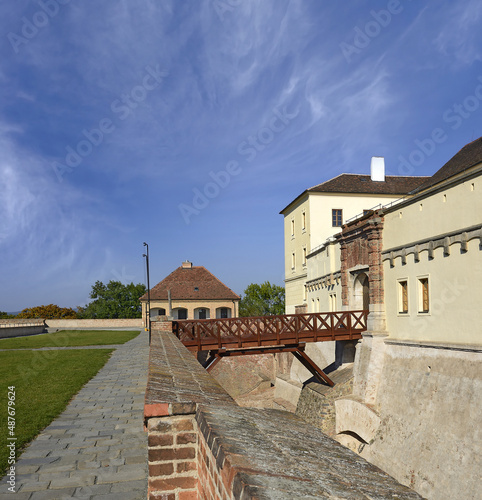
(337, 217)
(202, 313)
(224, 312)
(182, 314)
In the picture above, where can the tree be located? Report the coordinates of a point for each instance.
(114, 300)
(4, 315)
(51, 311)
(262, 300)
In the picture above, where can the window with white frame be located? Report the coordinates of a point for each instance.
(293, 260)
(304, 256)
(292, 227)
(423, 295)
(332, 302)
(403, 296)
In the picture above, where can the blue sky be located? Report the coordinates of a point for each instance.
(191, 124)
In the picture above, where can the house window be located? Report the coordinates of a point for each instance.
(332, 302)
(424, 298)
(304, 256)
(224, 312)
(292, 227)
(202, 313)
(336, 217)
(303, 220)
(182, 313)
(403, 297)
(293, 261)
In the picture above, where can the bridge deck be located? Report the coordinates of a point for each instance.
(270, 334)
(269, 331)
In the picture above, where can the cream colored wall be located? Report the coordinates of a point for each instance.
(433, 216)
(455, 296)
(294, 293)
(295, 277)
(191, 305)
(326, 295)
(455, 291)
(321, 205)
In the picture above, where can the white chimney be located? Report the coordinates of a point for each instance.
(187, 265)
(377, 169)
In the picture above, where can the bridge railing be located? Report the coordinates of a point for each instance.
(229, 333)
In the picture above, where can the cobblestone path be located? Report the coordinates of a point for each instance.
(97, 447)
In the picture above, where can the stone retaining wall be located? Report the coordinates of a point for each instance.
(316, 404)
(203, 446)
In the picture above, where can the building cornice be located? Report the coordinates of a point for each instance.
(324, 281)
(445, 240)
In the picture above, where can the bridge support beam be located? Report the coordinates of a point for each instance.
(298, 351)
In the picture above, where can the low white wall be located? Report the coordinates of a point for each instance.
(80, 324)
(20, 327)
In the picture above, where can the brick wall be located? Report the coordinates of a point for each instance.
(202, 446)
(361, 245)
(173, 469)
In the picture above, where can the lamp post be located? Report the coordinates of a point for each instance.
(146, 255)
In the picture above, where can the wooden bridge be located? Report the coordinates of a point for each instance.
(270, 335)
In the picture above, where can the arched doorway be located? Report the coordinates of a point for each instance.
(361, 292)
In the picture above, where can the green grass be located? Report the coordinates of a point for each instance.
(69, 338)
(44, 382)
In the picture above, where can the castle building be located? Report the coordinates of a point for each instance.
(320, 212)
(416, 265)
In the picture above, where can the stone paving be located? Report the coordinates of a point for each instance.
(97, 448)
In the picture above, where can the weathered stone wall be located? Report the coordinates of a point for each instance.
(240, 375)
(316, 404)
(428, 409)
(203, 446)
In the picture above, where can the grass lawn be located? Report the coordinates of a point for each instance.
(44, 383)
(69, 338)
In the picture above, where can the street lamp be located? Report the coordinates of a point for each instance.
(146, 255)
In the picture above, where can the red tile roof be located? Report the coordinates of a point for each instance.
(183, 283)
(469, 156)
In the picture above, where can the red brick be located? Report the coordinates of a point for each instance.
(160, 440)
(186, 438)
(188, 495)
(161, 470)
(171, 483)
(164, 454)
(185, 466)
